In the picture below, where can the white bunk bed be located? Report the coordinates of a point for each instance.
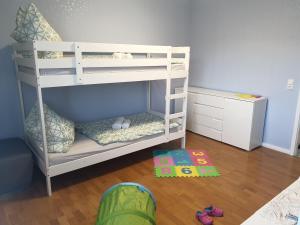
(91, 63)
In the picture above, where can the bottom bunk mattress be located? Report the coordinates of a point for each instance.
(84, 146)
(96, 137)
(141, 125)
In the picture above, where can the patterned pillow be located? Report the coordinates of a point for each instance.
(60, 132)
(31, 25)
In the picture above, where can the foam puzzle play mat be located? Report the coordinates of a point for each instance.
(183, 163)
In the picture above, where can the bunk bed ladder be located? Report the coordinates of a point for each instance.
(180, 116)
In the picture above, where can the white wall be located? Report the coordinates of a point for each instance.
(250, 46)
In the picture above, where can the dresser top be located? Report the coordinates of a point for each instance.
(226, 94)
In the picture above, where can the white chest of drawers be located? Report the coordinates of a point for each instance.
(226, 117)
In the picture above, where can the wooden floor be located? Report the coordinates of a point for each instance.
(248, 180)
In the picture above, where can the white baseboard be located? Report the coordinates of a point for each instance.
(277, 148)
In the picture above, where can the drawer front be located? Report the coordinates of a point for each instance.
(208, 111)
(208, 122)
(208, 132)
(209, 100)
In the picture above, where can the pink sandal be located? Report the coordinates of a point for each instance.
(212, 211)
(204, 218)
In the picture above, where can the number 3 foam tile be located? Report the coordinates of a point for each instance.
(186, 171)
(168, 171)
(197, 153)
(163, 161)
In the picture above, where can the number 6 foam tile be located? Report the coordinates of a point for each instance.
(163, 161)
(186, 171)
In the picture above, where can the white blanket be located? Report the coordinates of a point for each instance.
(275, 211)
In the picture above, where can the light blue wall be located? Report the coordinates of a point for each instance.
(250, 46)
(113, 21)
(247, 46)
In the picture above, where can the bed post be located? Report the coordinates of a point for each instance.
(42, 119)
(185, 91)
(168, 93)
(148, 91)
(21, 101)
(184, 107)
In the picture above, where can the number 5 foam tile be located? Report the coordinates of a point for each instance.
(163, 161)
(168, 171)
(186, 171)
(201, 162)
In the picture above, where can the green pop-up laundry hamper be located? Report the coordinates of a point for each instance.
(127, 204)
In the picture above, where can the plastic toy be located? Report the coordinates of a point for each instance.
(127, 204)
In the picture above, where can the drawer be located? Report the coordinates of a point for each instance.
(208, 132)
(208, 111)
(192, 97)
(208, 121)
(209, 100)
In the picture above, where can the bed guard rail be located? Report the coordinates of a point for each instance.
(74, 57)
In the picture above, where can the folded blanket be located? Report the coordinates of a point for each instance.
(141, 125)
(126, 124)
(118, 123)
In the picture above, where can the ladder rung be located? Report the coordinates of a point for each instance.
(176, 115)
(178, 75)
(178, 60)
(177, 96)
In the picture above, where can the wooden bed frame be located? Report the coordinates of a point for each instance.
(156, 65)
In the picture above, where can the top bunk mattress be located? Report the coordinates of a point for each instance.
(68, 71)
